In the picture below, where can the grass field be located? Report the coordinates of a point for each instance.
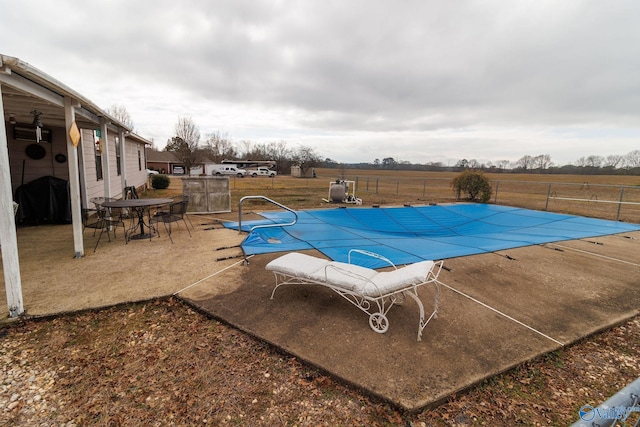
(587, 195)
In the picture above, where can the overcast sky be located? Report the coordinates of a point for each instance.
(419, 81)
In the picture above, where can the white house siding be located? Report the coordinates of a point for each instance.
(115, 179)
(94, 187)
(136, 173)
(135, 176)
(25, 169)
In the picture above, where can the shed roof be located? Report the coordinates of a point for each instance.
(161, 156)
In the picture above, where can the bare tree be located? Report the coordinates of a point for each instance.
(120, 113)
(612, 161)
(542, 161)
(219, 148)
(503, 164)
(246, 148)
(185, 144)
(306, 158)
(259, 151)
(581, 162)
(632, 159)
(462, 163)
(474, 164)
(280, 153)
(526, 162)
(594, 161)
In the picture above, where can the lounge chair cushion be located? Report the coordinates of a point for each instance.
(297, 264)
(412, 274)
(347, 276)
(354, 278)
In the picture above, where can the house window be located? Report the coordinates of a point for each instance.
(139, 160)
(118, 157)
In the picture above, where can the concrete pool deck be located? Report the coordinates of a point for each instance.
(559, 292)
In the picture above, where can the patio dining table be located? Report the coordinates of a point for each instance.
(138, 207)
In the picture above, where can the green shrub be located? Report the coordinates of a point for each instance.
(474, 184)
(159, 182)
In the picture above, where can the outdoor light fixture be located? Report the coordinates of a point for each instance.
(36, 118)
(38, 124)
(12, 118)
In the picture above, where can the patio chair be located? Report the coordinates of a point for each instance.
(371, 291)
(164, 210)
(91, 219)
(185, 198)
(113, 213)
(98, 201)
(130, 193)
(175, 212)
(102, 219)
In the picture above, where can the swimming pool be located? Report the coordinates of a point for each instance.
(410, 234)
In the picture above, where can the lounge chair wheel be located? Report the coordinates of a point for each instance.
(379, 323)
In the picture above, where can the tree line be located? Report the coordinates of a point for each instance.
(628, 164)
(190, 150)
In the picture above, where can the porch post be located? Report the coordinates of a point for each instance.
(106, 162)
(74, 179)
(123, 159)
(8, 237)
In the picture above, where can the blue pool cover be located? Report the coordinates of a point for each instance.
(410, 234)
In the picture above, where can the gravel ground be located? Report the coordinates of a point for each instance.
(162, 363)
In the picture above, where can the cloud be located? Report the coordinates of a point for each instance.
(458, 80)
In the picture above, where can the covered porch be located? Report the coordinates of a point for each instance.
(50, 131)
(54, 282)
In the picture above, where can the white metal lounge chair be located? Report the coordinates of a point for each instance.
(371, 291)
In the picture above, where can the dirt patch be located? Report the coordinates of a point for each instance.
(162, 363)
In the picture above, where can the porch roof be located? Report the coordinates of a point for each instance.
(26, 88)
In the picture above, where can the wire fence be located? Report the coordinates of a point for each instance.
(615, 202)
(606, 201)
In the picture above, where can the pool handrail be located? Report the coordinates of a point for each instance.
(264, 225)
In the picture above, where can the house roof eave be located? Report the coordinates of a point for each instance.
(34, 83)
